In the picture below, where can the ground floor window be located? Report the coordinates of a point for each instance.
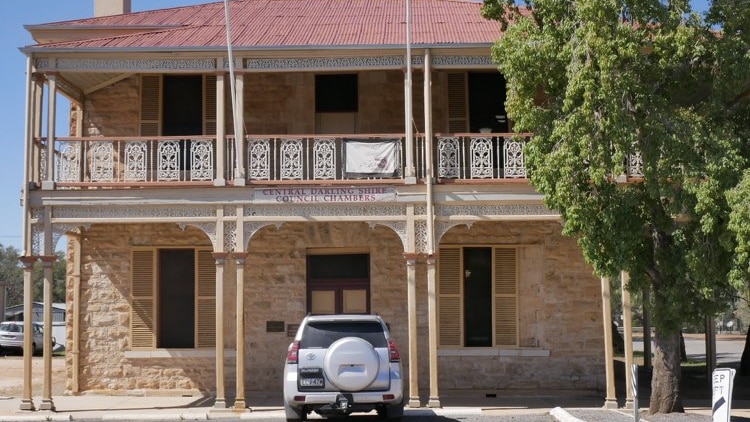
(173, 298)
(338, 284)
(478, 296)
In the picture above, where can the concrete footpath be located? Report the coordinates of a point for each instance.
(562, 406)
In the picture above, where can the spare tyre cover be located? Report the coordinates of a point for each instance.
(351, 364)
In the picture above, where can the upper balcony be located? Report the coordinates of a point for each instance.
(319, 159)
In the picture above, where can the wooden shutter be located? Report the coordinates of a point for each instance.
(150, 105)
(205, 318)
(506, 297)
(209, 105)
(143, 292)
(458, 102)
(450, 332)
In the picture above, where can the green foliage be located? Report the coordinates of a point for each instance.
(11, 274)
(598, 80)
(11, 271)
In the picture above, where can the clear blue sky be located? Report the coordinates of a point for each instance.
(13, 79)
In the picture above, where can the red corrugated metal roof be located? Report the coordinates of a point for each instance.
(294, 23)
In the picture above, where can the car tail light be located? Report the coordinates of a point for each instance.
(292, 355)
(393, 354)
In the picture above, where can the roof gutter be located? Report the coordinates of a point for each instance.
(223, 48)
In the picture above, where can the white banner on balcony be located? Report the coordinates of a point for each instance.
(371, 158)
(324, 195)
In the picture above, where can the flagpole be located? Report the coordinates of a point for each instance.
(233, 91)
(408, 100)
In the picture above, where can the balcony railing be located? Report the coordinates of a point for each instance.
(142, 161)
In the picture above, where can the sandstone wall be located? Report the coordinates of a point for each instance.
(559, 307)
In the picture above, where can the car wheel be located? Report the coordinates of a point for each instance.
(293, 415)
(34, 352)
(351, 364)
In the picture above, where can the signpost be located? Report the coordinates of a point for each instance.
(634, 373)
(723, 380)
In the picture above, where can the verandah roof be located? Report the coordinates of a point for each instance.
(282, 24)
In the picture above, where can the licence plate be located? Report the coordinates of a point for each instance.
(311, 382)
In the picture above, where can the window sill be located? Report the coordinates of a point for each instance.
(533, 353)
(176, 353)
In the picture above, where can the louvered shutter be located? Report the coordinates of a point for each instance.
(150, 105)
(458, 102)
(209, 105)
(205, 318)
(506, 297)
(143, 291)
(449, 297)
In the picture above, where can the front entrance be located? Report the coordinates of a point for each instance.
(338, 284)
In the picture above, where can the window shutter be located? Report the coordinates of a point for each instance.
(143, 291)
(506, 297)
(449, 297)
(209, 105)
(150, 105)
(205, 318)
(458, 106)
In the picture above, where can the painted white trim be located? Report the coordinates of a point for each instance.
(176, 353)
(535, 353)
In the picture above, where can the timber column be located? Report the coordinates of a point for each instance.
(239, 401)
(411, 298)
(220, 402)
(27, 403)
(627, 328)
(47, 403)
(434, 400)
(610, 402)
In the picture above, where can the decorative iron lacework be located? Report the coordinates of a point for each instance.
(397, 226)
(326, 63)
(155, 213)
(490, 209)
(208, 228)
(462, 61)
(292, 157)
(230, 236)
(230, 210)
(635, 165)
(225, 63)
(249, 230)
(442, 227)
(119, 65)
(38, 236)
(325, 210)
(420, 237)
(513, 158)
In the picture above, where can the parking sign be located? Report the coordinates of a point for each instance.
(722, 381)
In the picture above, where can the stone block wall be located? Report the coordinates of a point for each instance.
(559, 307)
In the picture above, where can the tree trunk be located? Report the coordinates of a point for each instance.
(745, 360)
(665, 383)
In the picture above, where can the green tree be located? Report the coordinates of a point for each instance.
(598, 80)
(58, 279)
(12, 274)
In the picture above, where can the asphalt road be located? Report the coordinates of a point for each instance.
(728, 347)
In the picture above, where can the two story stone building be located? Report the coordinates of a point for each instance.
(337, 157)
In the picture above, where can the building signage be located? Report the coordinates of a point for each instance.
(324, 195)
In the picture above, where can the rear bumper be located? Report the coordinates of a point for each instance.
(328, 402)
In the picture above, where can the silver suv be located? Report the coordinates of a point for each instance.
(339, 364)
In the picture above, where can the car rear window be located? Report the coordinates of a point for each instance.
(11, 328)
(321, 334)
